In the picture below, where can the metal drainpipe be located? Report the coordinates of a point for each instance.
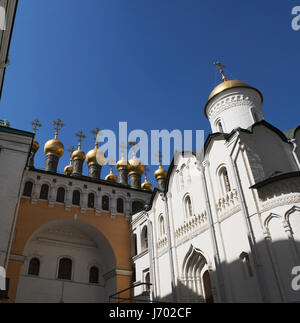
(246, 220)
(173, 285)
(293, 142)
(212, 235)
(150, 248)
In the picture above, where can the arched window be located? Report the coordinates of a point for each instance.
(247, 270)
(225, 183)
(220, 126)
(105, 203)
(91, 200)
(254, 115)
(34, 267)
(65, 269)
(76, 198)
(120, 205)
(44, 192)
(161, 222)
(134, 242)
(188, 207)
(137, 206)
(133, 274)
(147, 281)
(94, 275)
(28, 189)
(60, 196)
(144, 238)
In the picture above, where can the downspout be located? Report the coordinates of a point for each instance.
(250, 235)
(173, 285)
(293, 142)
(212, 235)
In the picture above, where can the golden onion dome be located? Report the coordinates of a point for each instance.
(146, 186)
(54, 146)
(35, 146)
(111, 177)
(68, 169)
(95, 156)
(135, 165)
(91, 156)
(122, 163)
(78, 154)
(160, 173)
(229, 84)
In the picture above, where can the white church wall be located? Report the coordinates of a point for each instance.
(13, 156)
(267, 153)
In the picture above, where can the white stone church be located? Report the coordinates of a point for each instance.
(226, 228)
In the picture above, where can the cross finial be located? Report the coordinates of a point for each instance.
(221, 67)
(133, 144)
(71, 150)
(57, 126)
(36, 124)
(146, 171)
(81, 136)
(160, 156)
(95, 132)
(111, 162)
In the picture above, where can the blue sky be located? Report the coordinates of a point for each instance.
(94, 63)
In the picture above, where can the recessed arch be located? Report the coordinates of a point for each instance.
(84, 245)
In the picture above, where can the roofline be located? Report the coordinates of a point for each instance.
(88, 179)
(275, 179)
(8, 46)
(16, 131)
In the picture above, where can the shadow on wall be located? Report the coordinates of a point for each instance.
(278, 270)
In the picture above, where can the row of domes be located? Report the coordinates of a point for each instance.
(96, 156)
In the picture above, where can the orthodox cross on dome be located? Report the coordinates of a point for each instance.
(57, 126)
(160, 156)
(71, 150)
(221, 67)
(36, 125)
(133, 144)
(123, 148)
(111, 162)
(96, 132)
(146, 170)
(81, 136)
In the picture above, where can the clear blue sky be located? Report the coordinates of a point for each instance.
(94, 63)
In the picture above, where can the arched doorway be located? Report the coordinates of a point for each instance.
(66, 251)
(196, 283)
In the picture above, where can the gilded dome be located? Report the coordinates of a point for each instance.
(146, 186)
(78, 154)
(54, 146)
(68, 169)
(111, 177)
(122, 163)
(35, 146)
(95, 156)
(160, 173)
(136, 165)
(230, 84)
(91, 156)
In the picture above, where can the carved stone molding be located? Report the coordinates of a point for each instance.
(230, 102)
